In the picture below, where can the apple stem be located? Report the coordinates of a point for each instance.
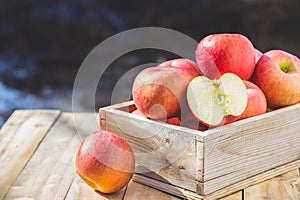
(285, 67)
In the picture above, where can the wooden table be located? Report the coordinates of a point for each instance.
(37, 156)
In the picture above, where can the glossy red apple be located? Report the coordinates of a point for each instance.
(226, 53)
(160, 92)
(105, 161)
(217, 102)
(277, 74)
(257, 103)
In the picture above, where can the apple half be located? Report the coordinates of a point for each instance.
(214, 101)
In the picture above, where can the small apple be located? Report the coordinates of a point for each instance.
(277, 74)
(257, 103)
(160, 92)
(214, 102)
(225, 53)
(105, 161)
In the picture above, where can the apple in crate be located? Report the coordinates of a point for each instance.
(277, 74)
(226, 53)
(257, 103)
(214, 102)
(160, 92)
(105, 161)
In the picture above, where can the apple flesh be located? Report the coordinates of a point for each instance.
(277, 74)
(105, 161)
(160, 92)
(213, 101)
(257, 103)
(218, 54)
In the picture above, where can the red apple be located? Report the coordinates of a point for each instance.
(277, 74)
(105, 161)
(160, 92)
(226, 53)
(257, 103)
(215, 102)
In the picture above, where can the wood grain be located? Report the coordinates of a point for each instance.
(19, 138)
(51, 170)
(243, 149)
(286, 186)
(234, 196)
(137, 191)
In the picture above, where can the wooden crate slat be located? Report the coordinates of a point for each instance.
(19, 138)
(51, 170)
(285, 186)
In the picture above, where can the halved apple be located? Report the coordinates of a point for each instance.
(213, 101)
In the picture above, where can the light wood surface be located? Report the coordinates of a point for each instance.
(19, 137)
(286, 186)
(39, 149)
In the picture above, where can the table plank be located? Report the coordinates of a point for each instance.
(19, 138)
(234, 196)
(81, 191)
(137, 191)
(286, 186)
(51, 170)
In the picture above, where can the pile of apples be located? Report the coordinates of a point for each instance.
(232, 80)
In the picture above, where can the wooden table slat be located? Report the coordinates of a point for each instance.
(286, 186)
(19, 138)
(137, 191)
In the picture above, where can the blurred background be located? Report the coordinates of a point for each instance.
(43, 42)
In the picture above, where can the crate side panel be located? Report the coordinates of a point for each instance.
(241, 150)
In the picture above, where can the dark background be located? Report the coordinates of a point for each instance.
(43, 42)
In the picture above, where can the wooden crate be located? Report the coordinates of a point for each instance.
(211, 163)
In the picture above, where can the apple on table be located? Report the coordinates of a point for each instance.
(105, 161)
